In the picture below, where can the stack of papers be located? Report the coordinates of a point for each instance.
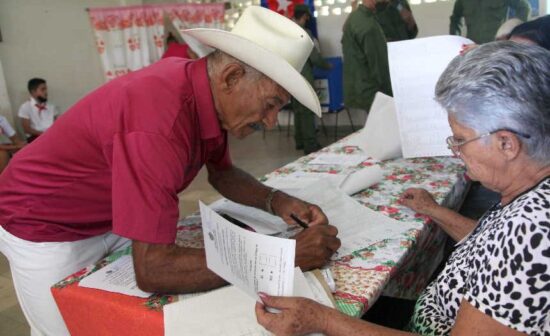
(358, 226)
(350, 183)
(117, 277)
(229, 311)
(335, 159)
(252, 263)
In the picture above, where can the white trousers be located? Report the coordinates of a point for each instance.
(35, 267)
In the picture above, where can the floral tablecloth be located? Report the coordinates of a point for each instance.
(399, 267)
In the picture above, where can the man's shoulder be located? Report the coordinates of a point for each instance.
(361, 20)
(26, 104)
(25, 108)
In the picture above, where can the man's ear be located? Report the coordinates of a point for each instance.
(230, 75)
(508, 144)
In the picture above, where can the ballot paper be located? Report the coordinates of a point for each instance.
(358, 226)
(339, 159)
(415, 67)
(251, 261)
(380, 138)
(228, 311)
(117, 277)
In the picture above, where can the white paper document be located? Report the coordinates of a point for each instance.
(350, 183)
(300, 180)
(308, 285)
(259, 220)
(117, 277)
(358, 226)
(380, 138)
(415, 67)
(339, 159)
(251, 261)
(228, 311)
(225, 311)
(362, 179)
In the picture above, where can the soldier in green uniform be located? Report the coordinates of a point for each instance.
(397, 21)
(366, 69)
(304, 119)
(484, 17)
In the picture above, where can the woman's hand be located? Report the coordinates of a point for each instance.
(297, 316)
(419, 200)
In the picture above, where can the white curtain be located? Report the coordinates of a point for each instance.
(185, 16)
(132, 37)
(127, 38)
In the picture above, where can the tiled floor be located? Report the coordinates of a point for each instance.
(254, 154)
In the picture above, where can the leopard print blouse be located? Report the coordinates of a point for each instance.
(502, 269)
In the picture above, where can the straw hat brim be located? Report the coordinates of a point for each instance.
(261, 59)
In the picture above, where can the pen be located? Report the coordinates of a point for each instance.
(237, 222)
(299, 221)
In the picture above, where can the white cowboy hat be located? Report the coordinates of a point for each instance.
(271, 44)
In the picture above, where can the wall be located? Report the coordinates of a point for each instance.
(50, 39)
(5, 106)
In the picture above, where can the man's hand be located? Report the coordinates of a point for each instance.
(315, 245)
(284, 205)
(419, 200)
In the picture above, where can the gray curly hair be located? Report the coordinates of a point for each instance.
(501, 85)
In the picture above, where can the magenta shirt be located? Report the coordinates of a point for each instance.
(117, 159)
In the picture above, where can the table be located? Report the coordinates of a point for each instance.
(399, 267)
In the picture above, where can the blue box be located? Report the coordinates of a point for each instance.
(329, 85)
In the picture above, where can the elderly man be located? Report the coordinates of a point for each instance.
(109, 171)
(483, 18)
(496, 282)
(366, 69)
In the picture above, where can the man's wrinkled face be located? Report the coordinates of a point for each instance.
(252, 104)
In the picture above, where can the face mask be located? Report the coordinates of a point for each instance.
(381, 6)
(41, 100)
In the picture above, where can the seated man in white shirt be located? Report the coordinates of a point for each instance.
(9, 142)
(36, 114)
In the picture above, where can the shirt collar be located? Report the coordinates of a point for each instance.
(35, 102)
(208, 118)
(365, 9)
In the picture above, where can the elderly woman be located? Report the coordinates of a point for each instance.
(497, 282)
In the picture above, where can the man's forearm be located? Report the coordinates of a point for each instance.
(8, 147)
(26, 123)
(453, 223)
(239, 186)
(172, 269)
